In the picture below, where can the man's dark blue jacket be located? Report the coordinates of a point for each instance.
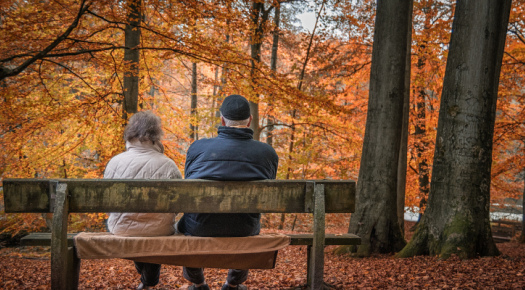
(231, 156)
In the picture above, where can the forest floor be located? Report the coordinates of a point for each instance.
(29, 268)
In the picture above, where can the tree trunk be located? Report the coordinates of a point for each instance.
(457, 220)
(522, 236)
(131, 56)
(257, 36)
(421, 144)
(194, 127)
(402, 163)
(214, 99)
(375, 219)
(255, 46)
(273, 67)
(224, 71)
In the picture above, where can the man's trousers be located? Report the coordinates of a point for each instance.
(149, 273)
(196, 275)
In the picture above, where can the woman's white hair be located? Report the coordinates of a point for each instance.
(144, 126)
(231, 123)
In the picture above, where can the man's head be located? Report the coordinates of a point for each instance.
(235, 111)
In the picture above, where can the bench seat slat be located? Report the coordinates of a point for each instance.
(329, 240)
(44, 239)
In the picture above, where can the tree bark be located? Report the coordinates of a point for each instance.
(214, 110)
(273, 67)
(421, 144)
(402, 163)
(457, 220)
(194, 127)
(132, 55)
(375, 219)
(257, 36)
(224, 72)
(522, 236)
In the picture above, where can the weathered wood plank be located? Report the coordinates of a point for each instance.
(59, 240)
(27, 195)
(317, 251)
(276, 196)
(329, 240)
(179, 196)
(44, 239)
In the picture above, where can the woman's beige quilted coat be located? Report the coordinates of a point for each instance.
(142, 160)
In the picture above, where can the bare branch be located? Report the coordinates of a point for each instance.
(5, 72)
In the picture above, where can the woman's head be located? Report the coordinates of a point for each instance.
(144, 126)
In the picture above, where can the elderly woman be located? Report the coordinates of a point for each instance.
(144, 159)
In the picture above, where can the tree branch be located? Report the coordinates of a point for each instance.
(5, 72)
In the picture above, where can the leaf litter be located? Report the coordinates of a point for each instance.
(29, 268)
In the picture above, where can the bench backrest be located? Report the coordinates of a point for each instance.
(160, 196)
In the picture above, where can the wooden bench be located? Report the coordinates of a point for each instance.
(64, 196)
(503, 231)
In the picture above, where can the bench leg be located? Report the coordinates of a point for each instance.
(316, 270)
(308, 266)
(59, 249)
(73, 268)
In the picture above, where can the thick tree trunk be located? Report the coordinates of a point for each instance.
(456, 220)
(273, 67)
(402, 163)
(375, 219)
(132, 56)
(194, 127)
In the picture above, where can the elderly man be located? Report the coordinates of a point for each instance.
(234, 156)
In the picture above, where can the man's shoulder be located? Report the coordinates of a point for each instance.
(264, 146)
(202, 143)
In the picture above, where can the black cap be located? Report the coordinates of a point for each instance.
(235, 108)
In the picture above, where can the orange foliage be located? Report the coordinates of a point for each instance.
(61, 116)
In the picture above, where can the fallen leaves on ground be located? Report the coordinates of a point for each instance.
(343, 272)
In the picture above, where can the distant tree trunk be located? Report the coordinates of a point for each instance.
(522, 236)
(375, 219)
(132, 56)
(151, 92)
(257, 36)
(214, 98)
(402, 163)
(456, 220)
(224, 71)
(421, 144)
(194, 127)
(273, 67)
(255, 46)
